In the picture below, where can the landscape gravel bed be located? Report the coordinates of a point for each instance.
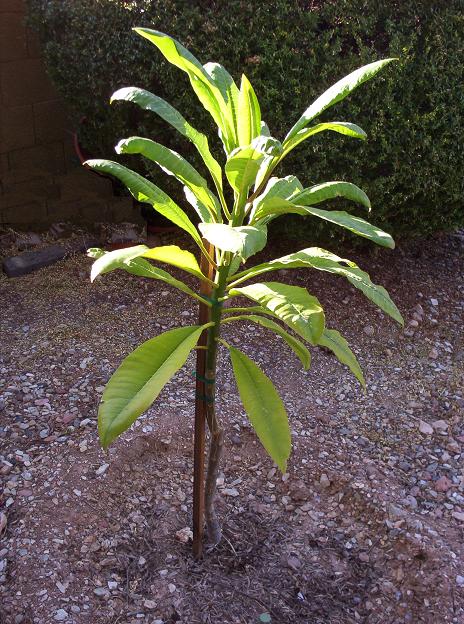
(367, 525)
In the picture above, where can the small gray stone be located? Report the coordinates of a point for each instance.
(101, 592)
(61, 615)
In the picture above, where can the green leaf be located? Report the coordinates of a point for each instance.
(174, 255)
(276, 188)
(342, 127)
(334, 341)
(141, 377)
(263, 406)
(293, 305)
(205, 88)
(354, 224)
(249, 113)
(242, 167)
(242, 240)
(322, 260)
(175, 165)
(338, 92)
(230, 94)
(129, 260)
(296, 345)
(330, 190)
(145, 191)
(148, 101)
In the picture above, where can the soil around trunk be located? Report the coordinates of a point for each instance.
(366, 527)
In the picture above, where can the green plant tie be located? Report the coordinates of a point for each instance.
(203, 379)
(214, 302)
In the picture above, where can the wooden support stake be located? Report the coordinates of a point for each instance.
(200, 415)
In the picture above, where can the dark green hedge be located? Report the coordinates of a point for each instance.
(412, 164)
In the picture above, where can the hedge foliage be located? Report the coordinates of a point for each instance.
(291, 50)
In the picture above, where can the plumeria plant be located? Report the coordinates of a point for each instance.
(227, 235)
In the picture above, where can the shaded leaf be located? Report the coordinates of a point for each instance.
(263, 406)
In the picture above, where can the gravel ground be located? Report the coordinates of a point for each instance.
(366, 526)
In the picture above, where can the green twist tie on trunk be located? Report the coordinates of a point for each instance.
(204, 398)
(203, 379)
(214, 302)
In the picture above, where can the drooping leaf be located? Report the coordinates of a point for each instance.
(342, 127)
(338, 92)
(148, 101)
(263, 406)
(141, 377)
(204, 87)
(242, 240)
(354, 224)
(293, 305)
(330, 190)
(129, 260)
(322, 260)
(296, 345)
(174, 255)
(334, 341)
(249, 113)
(175, 165)
(145, 191)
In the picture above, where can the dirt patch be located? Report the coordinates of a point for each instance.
(367, 526)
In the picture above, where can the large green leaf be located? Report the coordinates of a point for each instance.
(330, 190)
(293, 305)
(322, 260)
(338, 92)
(174, 255)
(205, 88)
(230, 94)
(242, 240)
(145, 191)
(242, 167)
(141, 377)
(354, 224)
(263, 406)
(334, 341)
(175, 165)
(342, 127)
(148, 101)
(129, 260)
(249, 113)
(296, 345)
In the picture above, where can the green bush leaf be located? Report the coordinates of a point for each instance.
(338, 92)
(148, 101)
(296, 345)
(263, 406)
(293, 305)
(141, 377)
(147, 192)
(334, 341)
(173, 164)
(241, 240)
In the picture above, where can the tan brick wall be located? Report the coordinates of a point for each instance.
(40, 179)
